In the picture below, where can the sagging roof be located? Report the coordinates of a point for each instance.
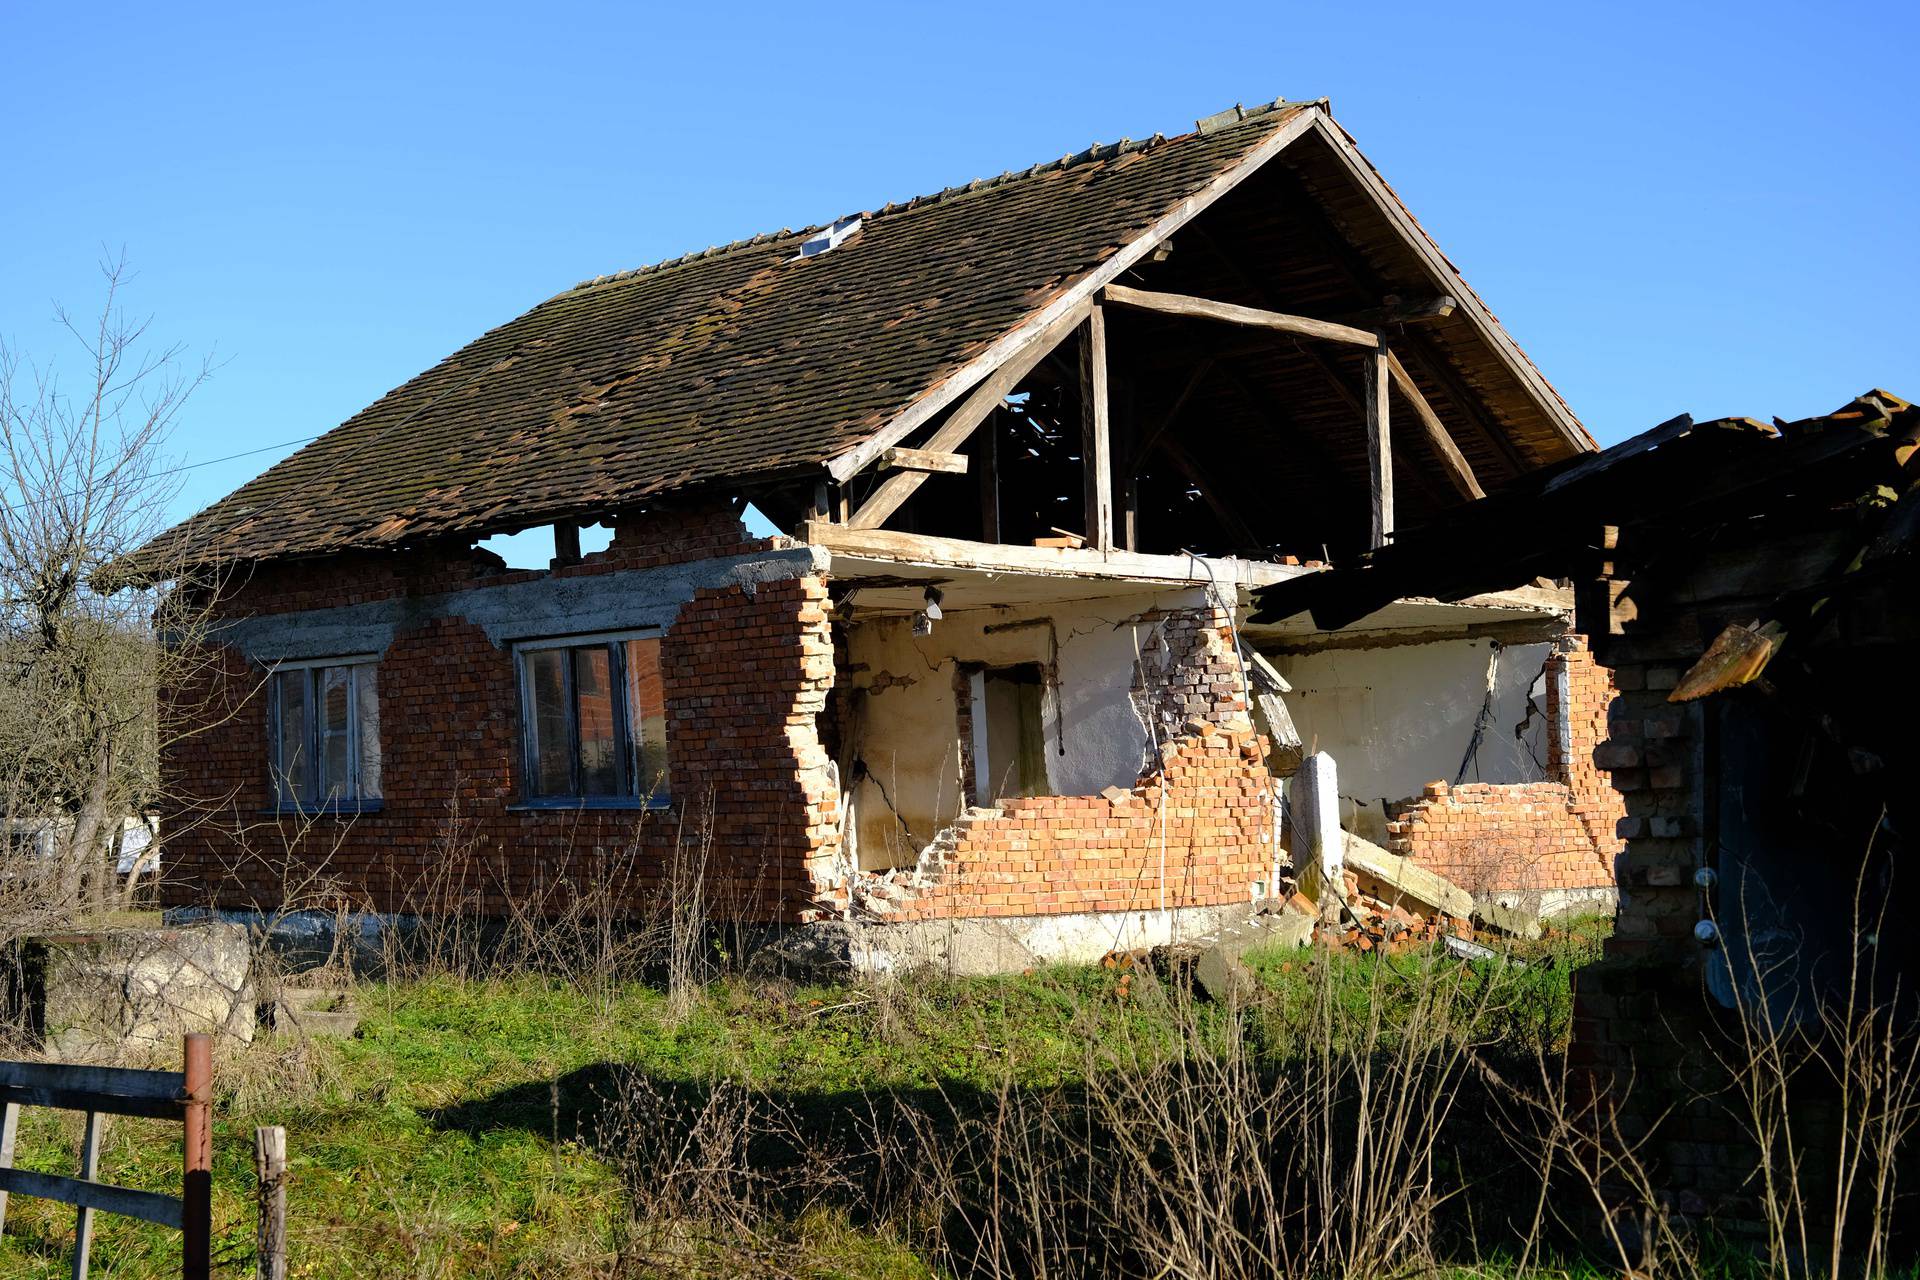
(1675, 486)
(748, 362)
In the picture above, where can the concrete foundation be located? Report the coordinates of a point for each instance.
(129, 995)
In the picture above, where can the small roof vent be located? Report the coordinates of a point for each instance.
(829, 237)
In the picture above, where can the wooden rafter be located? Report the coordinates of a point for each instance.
(890, 493)
(924, 409)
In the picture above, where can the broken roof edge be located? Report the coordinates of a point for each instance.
(1529, 375)
(886, 546)
(130, 571)
(916, 413)
(1206, 126)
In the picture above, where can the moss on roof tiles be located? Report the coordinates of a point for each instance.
(722, 365)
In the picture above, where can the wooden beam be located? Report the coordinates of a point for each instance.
(1397, 310)
(1180, 304)
(1459, 474)
(1379, 448)
(1333, 244)
(1061, 562)
(899, 459)
(986, 448)
(1096, 435)
(971, 412)
(936, 398)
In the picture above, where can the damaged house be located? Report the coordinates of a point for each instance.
(1747, 585)
(1031, 444)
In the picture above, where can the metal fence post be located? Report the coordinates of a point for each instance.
(196, 1191)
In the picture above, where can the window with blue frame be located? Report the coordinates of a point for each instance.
(593, 720)
(325, 722)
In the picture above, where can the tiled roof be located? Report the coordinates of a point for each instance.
(733, 363)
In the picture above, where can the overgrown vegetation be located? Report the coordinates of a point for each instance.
(528, 1125)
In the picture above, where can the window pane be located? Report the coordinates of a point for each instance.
(336, 724)
(291, 762)
(367, 712)
(547, 722)
(593, 700)
(647, 717)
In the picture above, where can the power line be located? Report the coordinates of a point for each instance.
(174, 471)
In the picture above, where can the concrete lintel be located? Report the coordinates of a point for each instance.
(554, 605)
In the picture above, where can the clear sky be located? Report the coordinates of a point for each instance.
(1673, 207)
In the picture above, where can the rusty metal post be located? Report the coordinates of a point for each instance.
(270, 1164)
(196, 1191)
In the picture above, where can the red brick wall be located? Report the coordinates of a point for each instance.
(1204, 811)
(1206, 808)
(1561, 834)
(745, 673)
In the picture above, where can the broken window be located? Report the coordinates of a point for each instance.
(325, 733)
(594, 719)
(1009, 735)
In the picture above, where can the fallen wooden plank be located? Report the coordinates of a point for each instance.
(1180, 304)
(899, 459)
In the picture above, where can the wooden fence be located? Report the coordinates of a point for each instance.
(185, 1096)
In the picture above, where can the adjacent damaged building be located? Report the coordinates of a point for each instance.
(1031, 444)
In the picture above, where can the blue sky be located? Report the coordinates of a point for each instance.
(1706, 208)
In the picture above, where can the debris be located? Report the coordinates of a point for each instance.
(1401, 880)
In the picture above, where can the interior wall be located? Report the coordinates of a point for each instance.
(901, 761)
(1396, 718)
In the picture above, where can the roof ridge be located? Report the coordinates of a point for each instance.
(1203, 127)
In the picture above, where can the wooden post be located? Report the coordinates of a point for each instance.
(9, 1125)
(83, 1216)
(1096, 450)
(196, 1190)
(566, 543)
(270, 1166)
(1379, 446)
(986, 452)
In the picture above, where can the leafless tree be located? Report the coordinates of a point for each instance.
(84, 482)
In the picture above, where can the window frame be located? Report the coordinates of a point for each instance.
(333, 804)
(624, 747)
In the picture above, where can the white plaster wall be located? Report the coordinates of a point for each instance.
(1395, 719)
(905, 725)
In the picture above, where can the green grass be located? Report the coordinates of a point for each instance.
(455, 1136)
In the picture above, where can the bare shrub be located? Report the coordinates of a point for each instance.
(86, 634)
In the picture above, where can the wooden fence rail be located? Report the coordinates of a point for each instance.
(186, 1096)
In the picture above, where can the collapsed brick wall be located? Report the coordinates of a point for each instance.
(1203, 812)
(746, 671)
(1564, 834)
